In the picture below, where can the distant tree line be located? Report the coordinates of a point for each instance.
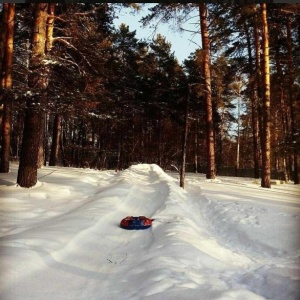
(76, 91)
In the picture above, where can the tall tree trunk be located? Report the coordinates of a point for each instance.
(50, 27)
(41, 137)
(6, 83)
(159, 138)
(27, 173)
(211, 170)
(238, 141)
(119, 166)
(282, 113)
(3, 32)
(197, 144)
(184, 140)
(46, 135)
(55, 141)
(266, 137)
(48, 47)
(255, 138)
(291, 96)
(257, 122)
(253, 97)
(57, 128)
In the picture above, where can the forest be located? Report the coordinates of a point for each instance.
(76, 91)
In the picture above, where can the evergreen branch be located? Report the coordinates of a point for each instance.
(63, 41)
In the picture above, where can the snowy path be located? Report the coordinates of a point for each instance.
(224, 239)
(263, 225)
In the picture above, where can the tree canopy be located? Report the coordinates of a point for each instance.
(107, 99)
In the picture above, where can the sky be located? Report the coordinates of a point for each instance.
(183, 43)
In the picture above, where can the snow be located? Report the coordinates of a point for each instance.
(218, 239)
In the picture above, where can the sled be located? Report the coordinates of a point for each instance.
(136, 223)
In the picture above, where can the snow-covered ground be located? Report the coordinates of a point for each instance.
(220, 239)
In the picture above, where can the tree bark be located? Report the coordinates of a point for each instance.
(48, 47)
(211, 171)
(282, 113)
(197, 144)
(253, 96)
(266, 137)
(41, 137)
(27, 173)
(3, 32)
(258, 83)
(291, 100)
(50, 27)
(6, 83)
(257, 122)
(184, 140)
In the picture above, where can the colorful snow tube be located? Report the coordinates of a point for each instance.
(136, 223)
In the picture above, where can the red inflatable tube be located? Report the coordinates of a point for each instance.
(137, 223)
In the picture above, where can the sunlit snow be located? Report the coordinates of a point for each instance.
(218, 239)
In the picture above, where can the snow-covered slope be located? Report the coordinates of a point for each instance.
(221, 239)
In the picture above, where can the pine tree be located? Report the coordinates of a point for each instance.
(265, 138)
(291, 80)
(6, 44)
(38, 82)
(210, 140)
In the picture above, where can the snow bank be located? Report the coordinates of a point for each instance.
(215, 240)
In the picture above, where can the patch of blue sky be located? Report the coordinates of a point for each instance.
(183, 42)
